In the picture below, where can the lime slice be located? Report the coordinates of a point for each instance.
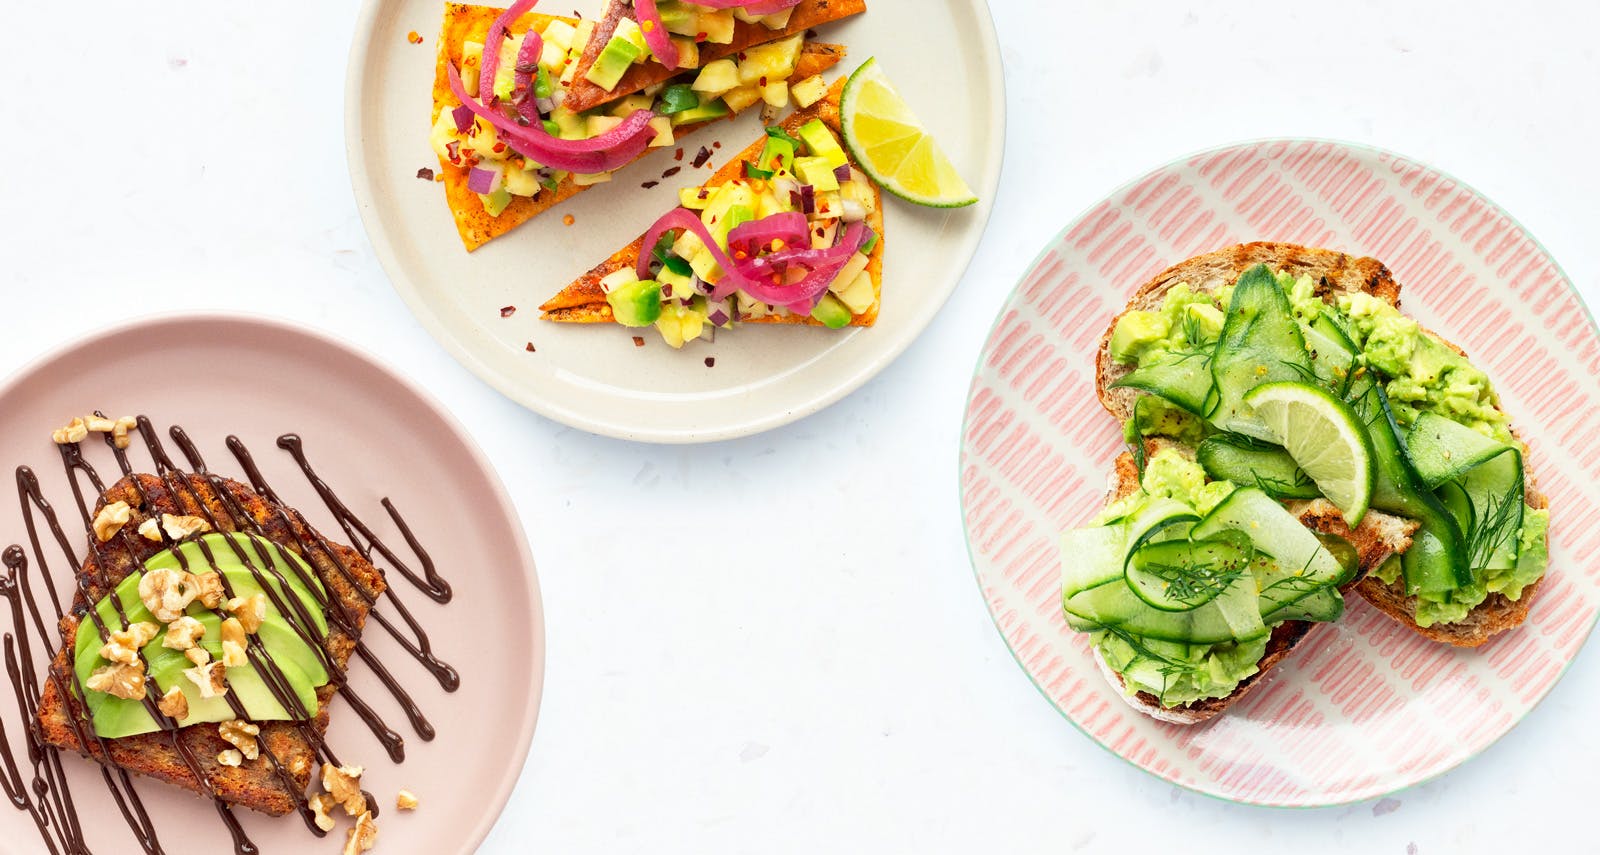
(891, 145)
(1324, 437)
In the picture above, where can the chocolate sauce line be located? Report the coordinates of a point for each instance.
(52, 807)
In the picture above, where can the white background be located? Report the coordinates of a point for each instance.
(775, 644)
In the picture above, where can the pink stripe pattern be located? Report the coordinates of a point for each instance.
(1366, 707)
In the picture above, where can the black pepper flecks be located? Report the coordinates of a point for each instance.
(700, 157)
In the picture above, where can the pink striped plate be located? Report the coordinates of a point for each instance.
(1366, 707)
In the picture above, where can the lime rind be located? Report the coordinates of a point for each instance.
(891, 145)
(1324, 437)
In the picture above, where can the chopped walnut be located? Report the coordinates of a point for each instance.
(75, 431)
(150, 530)
(229, 758)
(166, 593)
(233, 630)
(208, 588)
(98, 424)
(174, 704)
(125, 644)
(344, 784)
(123, 681)
(183, 633)
(320, 804)
(110, 520)
(179, 528)
(405, 800)
(250, 611)
(242, 735)
(233, 644)
(198, 655)
(363, 836)
(210, 679)
(119, 431)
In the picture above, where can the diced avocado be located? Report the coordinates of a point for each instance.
(471, 61)
(763, 64)
(848, 273)
(741, 97)
(716, 25)
(776, 94)
(494, 204)
(709, 109)
(559, 33)
(822, 143)
(1135, 330)
(598, 125)
(816, 172)
(768, 203)
(859, 295)
(522, 182)
(572, 125)
(628, 30)
(715, 78)
(777, 153)
(679, 18)
(688, 51)
(613, 62)
(552, 57)
(664, 137)
(809, 91)
(728, 204)
(778, 20)
(505, 73)
(1208, 317)
(636, 304)
(481, 143)
(625, 107)
(832, 313)
(675, 99)
(678, 324)
(682, 284)
(583, 180)
(693, 198)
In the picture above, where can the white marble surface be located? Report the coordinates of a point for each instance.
(844, 689)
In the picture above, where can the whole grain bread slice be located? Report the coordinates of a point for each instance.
(1375, 539)
(255, 784)
(1334, 273)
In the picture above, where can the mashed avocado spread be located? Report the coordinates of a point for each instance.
(1419, 373)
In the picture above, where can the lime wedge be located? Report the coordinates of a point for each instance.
(891, 145)
(1325, 439)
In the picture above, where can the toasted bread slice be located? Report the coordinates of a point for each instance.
(255, 783)
(584, 301)
(584, 95)
(1375, 539)
(465, 22)
(1335, 273)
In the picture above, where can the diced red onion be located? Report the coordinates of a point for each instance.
(808, 199)
(485, 181)
(842, 172)
(522, 81)
(546, 105)
(463, 118)
(655, 33)
(718, 314)
(853, 211)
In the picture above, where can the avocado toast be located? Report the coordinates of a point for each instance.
(492, 188)
(218, 514)
(801, 200)
(1283, 373)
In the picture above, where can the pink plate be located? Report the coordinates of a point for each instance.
(1367, 707)
(370, 435)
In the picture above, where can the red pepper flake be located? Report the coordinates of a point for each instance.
(700, 37)
(671, 172)
(413, 38)
(711, 361)
(638, 341)
(649, 184)
(763, 80)
(701, 157)
(678, 155)
(499, 147)
(716, 145)
(507, 311)
(425, 174)
(529, 348)
(568, 220)
(743, 56)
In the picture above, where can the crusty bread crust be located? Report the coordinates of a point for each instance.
(1335, 273)
(1377, 537)
(254, 783)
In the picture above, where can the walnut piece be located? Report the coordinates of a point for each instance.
(344, 784)
(75, 431)
(210, 679)
(123, 681)
(125, 644)
(406, 800)
(198, 655)
(242, 735)
(98, 424)
(208, 588)
(250, 611)
(183, 634)
(179, 528)
(150, 530)
(363, 836)
(119, 431)
(233, 643)
(173, 704)
(320, 804)
(166, 593)
(229, 758)
(110, 520)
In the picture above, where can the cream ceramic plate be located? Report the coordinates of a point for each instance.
(370, 435)
(593, 377)
(1365, 707)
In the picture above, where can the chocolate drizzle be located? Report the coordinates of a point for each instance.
(43, 792)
